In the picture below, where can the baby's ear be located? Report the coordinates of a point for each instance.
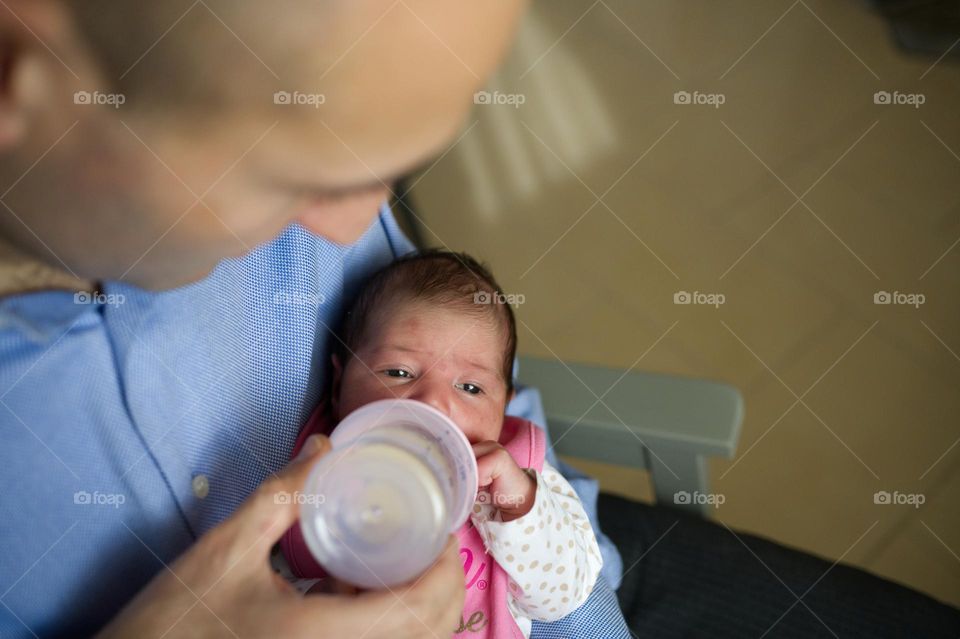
(335, 363)
(336, 369)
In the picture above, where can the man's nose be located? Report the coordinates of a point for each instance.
(434, 392)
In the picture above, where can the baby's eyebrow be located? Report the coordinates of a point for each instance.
(482, 367)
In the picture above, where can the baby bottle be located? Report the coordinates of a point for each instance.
(379, 507)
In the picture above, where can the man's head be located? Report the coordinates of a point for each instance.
(432, 327)
(150, 140)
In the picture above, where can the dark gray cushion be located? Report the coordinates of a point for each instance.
(689, 577)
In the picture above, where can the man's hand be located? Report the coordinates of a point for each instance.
(511, 488)
(224, 586)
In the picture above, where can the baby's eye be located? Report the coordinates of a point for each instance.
(473, 389)
(397, 372)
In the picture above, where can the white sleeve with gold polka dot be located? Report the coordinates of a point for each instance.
(550, 554)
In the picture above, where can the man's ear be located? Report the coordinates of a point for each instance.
(12, 112)
(41, 65)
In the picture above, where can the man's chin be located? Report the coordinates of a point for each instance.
(164, 280)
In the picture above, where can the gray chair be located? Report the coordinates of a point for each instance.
(668, 425)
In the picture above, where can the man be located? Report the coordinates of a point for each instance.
(141, 144)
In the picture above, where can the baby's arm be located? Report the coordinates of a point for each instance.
(550, 553)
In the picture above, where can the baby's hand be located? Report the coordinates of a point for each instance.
(511, 488)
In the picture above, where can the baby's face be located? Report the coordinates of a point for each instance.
(439, 356)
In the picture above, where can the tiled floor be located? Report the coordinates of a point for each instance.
(798, 198)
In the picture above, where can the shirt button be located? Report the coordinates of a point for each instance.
(201, 486)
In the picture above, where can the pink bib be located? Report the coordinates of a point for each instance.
(485, 612)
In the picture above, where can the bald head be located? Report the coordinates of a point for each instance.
(377, 88)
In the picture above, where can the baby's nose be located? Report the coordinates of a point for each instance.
(432, 395)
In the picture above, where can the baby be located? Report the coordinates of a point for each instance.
(433, 327)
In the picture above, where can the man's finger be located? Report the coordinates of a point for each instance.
(427, 607)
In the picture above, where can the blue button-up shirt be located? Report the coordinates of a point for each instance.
(133, 422)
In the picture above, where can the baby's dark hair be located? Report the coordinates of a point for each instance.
(451, 279)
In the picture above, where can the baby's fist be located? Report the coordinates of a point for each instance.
(511, 488)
